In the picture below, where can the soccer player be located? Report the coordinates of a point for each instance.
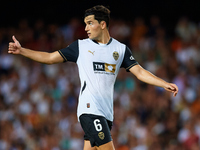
(99, 59)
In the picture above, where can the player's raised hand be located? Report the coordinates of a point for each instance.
(14, 47)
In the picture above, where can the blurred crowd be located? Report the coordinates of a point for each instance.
(38, 102)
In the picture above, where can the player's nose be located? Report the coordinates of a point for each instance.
(86, 28)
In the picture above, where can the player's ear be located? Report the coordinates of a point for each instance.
(103, 24)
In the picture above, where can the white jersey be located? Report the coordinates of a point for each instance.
(98, 66)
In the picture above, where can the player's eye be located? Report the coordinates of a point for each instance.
(90, 23)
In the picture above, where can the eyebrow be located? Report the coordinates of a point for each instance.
(89, 18)
(88, 21)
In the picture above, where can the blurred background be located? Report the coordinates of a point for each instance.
(38, 102)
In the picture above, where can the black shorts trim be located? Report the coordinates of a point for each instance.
(97, 129)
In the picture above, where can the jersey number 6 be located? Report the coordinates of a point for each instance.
(97, 125)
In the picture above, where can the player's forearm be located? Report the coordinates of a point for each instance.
(42, 57)
(149, 78)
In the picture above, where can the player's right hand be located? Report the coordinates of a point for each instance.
(14, 47)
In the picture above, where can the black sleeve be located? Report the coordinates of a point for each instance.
(71, 52)
(128, 60)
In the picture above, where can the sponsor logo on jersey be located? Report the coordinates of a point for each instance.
(104, 68)
(91, 52)
(101, 135)
(115, 55)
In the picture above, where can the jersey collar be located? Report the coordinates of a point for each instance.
(106, 44)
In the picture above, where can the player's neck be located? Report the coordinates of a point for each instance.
(105, 37)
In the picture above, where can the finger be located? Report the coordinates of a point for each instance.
(14, 39)
(175, 86)
(10, 51)
(11, 44)
(175, 93)
(171, 89)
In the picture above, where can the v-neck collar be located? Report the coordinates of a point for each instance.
(105, 44)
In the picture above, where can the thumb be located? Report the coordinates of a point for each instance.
(14, 39)
(172, 88)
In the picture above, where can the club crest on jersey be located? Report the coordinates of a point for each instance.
(115, 55)
(101, 135)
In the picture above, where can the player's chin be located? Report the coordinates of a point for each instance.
(90, 37)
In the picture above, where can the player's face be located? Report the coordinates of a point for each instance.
(93, 28)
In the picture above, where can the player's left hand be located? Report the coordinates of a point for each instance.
(172, 88)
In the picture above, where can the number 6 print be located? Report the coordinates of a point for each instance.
(97, 125)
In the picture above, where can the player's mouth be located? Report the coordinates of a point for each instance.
(88, 34)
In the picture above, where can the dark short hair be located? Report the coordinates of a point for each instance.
(100, 12)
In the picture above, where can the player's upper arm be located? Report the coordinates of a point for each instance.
(55, 57)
